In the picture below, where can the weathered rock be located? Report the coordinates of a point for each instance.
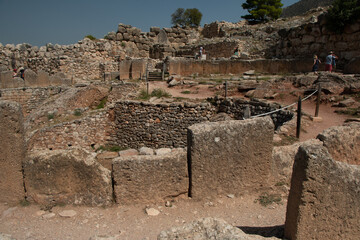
(283, 159)
(152, 211)
(68, 213)
(206, 229)
(6, 237)
(346, 103)
(146, 178)
(216, 169)
(31, 78)
(12, 152)
(67, 176)
(162, 151)
(146, 151)
(343, 142)
(324, 198)
(128, 152)
(105, 159)
(353, 66)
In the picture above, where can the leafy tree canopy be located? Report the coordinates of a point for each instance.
(262, 10)
(341, 13)
(190, 17)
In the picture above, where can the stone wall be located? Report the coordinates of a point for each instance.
(12, 153)
(88, 133)
(314, 38)
(236, 108)
(140, 124)
(324, 198)
(231, 157)
(30, 98)
(188, 67)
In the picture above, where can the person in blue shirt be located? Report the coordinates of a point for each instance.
(330, 61)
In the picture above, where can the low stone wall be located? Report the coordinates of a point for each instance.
(140, 124)
(87, 133)
(188, 67)
(231, 157)
(236, 108)
(141, 179)
(12, 153)
(30, 98)
(324, 199)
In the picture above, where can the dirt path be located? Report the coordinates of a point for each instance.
(131, 222)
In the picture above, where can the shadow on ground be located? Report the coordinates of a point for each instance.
(273, 231)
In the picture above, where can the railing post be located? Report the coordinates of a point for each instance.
(318, 101)
(298, 123)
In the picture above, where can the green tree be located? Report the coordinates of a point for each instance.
(262, 10)
(190, 17)
(341, 13)
(178, 18)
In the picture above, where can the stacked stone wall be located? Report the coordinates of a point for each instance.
(88, 133)
(140, 124)
(29, 98)
(315, 38)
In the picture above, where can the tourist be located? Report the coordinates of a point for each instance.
(201, 51)
(329, 61)
(14, 73)
(316, 63)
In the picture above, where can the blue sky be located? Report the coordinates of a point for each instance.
(39, 22)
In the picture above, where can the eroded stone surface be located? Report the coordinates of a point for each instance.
(67, 177)
(230, 157)
(149, 178)
(343, 142)
(324, 199)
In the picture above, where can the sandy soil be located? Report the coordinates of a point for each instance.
(132, 222)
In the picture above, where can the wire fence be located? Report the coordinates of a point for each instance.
(283, 108)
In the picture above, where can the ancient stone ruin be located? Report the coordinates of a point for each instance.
(74, 131)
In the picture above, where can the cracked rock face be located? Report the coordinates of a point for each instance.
(67, 177)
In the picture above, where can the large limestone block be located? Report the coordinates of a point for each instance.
(283, 159)
(231, 157)
(324, 199)
(31, 78)
(12, 152)
(150, 178)
(67, 177)
(6, 79)
(43, 79)
(343, 142)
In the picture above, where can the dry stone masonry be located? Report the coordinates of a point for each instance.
(12, 152)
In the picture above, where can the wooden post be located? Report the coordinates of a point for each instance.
(298, 123)
(318, 101)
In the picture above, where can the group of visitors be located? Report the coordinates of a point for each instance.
(19, 72)
(330, 62)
